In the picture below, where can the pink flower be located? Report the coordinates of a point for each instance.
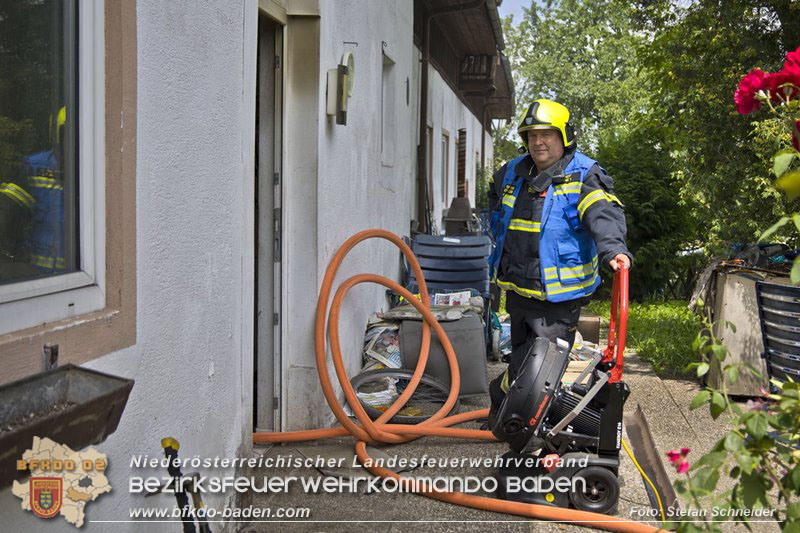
(678, 459)
(756, 405)
(744, 97)
(674, 456)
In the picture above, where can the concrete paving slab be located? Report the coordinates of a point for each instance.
(336, 459)
(665, 403)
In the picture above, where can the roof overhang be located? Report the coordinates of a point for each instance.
(466, 48)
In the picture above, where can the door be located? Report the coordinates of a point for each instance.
(268, 225)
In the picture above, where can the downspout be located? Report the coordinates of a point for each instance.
(483, 143)
(423, 215)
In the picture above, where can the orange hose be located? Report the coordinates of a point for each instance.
(381, 432)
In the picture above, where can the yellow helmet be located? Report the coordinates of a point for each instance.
(546, 114)
(61, 120)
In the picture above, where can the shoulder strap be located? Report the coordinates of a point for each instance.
(580, 163)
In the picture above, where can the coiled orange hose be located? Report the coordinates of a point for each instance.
(381, 432)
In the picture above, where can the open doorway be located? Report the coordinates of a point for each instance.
(269, 105)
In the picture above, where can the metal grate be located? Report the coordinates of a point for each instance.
(779, 314)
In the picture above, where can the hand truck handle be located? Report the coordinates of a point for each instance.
(617, 325)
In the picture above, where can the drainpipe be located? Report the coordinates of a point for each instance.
(483, 142)
(422, 152)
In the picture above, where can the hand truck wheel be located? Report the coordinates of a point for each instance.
(601, 490)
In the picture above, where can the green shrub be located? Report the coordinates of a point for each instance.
(660, 332)
(659, 222)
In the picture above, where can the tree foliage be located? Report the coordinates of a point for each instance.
(696, 58)
(578, 52)
(31, 50)
(650, 86)
(582, 53)
(659, 224)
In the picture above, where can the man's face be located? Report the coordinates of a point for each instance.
(545, 147)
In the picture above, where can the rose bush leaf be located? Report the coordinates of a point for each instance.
(772, 229)
(782, 160)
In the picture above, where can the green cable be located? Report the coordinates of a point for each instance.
(639, 468)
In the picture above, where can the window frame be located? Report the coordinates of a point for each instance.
(429, 158)
(35, 302)
(445, 163)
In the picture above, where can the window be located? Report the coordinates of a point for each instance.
(478, 179)
(430, 166)
(445, 167)
(388, 126)
(90, 312)
(52, 263)
(461, 163)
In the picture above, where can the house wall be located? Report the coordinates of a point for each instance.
(195, 242)
(338, 181)
(447, 112)
(192, 360)
(355, 187)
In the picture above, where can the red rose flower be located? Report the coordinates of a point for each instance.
(792, 58)
(783, 85)
(744, 97)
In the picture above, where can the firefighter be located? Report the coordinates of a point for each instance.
(45, 179)
(555, 220)
(32, 213)
(16, 210)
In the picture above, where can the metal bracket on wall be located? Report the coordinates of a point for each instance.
(276, 225)
(49, 356)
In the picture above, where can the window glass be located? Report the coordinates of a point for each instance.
(38, 139)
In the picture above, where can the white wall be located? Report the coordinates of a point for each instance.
(192, 360)
(337, 183)
(447, 112)
(354, 190)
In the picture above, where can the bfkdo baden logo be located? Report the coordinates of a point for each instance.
(46, 496)
(62, 481)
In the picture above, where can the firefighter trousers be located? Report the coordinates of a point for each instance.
(531, 318)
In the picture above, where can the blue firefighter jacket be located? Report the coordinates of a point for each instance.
(47, 242)
(567, 253)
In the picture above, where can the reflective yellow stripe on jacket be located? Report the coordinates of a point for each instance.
(17, 194)
(558, 288)
(568, 188)
(48, 262)
(43, 182)
(519, 290)
(571, 272)
(520, 224)
(593, 197)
